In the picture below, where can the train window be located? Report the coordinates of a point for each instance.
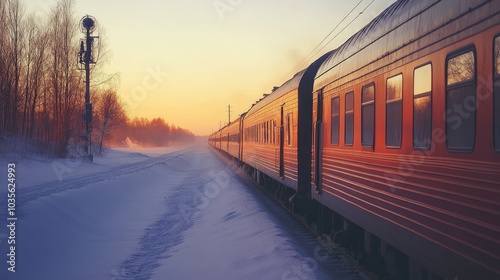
(274, 131)
(422, 107)
(335, 120)
(289, 131)
(270, 131)
(265, 132)
(368, 115)
(496, 89)
(273, 128)
(262, 136)
(257, 133)
(349, 118)
(254, 134)
(460, 101)
(262, 131)
(394, 111)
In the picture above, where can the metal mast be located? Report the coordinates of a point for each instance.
(86, 58)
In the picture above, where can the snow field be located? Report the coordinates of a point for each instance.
(179, 213)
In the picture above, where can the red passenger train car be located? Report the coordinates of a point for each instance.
(212, 140)
(215, 139)
(272, 144)
(407, 133)
(231, 138)
(270, 134)
(390, 144)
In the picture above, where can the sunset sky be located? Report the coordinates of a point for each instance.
(186, 61)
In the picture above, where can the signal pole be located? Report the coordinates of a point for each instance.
(229, 113)
(85, 57)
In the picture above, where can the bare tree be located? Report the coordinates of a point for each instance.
(66, 82)
(3, 68)
(15, 25)
(150, 133)
(102, 55)
(28, 58)
(37, 76)
(110, 114)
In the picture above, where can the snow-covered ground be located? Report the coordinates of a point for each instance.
(174, 213)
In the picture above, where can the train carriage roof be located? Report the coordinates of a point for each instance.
(234, 122)
(401, 23)
(288, 86)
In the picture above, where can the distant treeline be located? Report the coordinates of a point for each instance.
(149, 133)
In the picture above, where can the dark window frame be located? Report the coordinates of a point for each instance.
(264, 130)
(363, 104)
(350, 112)
(420, 95)
(387, 102)
(458, 85)
(337, 96)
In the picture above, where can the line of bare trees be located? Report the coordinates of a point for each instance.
(108, 115)
(149, 133)
(40, 85)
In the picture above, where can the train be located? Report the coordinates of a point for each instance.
(389, 145)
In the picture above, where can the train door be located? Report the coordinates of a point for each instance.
(282, 144)
(318, 141)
